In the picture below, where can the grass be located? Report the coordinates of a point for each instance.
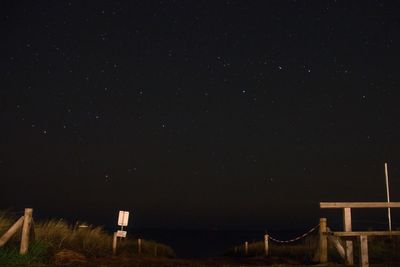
(52, 236)
(381, 249)
(302, 252)
(58, 234)
(37, 254)
(149, 248)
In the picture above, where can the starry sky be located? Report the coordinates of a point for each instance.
(197, 114)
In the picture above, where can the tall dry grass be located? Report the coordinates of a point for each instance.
(54, 235)
(58, 234)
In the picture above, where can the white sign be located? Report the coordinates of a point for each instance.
(123, 218)
(121, 233)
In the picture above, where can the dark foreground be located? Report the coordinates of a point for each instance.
(218, 262)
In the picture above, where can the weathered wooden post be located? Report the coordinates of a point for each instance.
(337, 244)
(10, 232)
(246, 248)
(323, 242)
(348, 243)
(364, 251)
(114, 243)
(139, 246)
(266, 245)
(26, 227)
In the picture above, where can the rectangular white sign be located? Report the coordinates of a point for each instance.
(121, 233)
(123, 218)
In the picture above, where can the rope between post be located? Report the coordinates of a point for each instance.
(296, 238)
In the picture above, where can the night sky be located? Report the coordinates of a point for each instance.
(198, 114)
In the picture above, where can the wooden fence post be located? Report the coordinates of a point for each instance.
(364, 251)
(266, 245)
(10, 232)
(337, 244)
(139, 246)
(114, 244)
(323, 242)
(246, 248)
(26, 227)
(348, 243)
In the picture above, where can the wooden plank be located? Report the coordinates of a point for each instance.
(367, 233)
(364, 262)
(10, 232)
(357, 205)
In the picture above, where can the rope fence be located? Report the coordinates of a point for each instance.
(296, 238)
(305, 249)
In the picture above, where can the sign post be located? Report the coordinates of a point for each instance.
(123, 218)
(388, 196)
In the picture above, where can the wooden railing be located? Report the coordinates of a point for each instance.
(362, 235)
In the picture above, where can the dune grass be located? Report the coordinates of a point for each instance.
(52, 236)
(302, 252)
(58, 234)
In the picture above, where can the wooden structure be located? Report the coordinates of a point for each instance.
(323, 241)
(362, 235)
(139, 241)
(25, 222)
(266, 245)
(114, 243)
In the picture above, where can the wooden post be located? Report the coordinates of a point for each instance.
(26, 227)
(364, 251)
(246, 248)
(348, 243)
(266, 245)
(139, 246)
(323, 242)
(336, 243)
(114, 243)
(10, 232)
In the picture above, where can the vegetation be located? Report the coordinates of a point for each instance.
(302, 252)
(382, 249)
(53, 236)
(37, 254)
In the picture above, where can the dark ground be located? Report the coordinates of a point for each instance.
(217, 262)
